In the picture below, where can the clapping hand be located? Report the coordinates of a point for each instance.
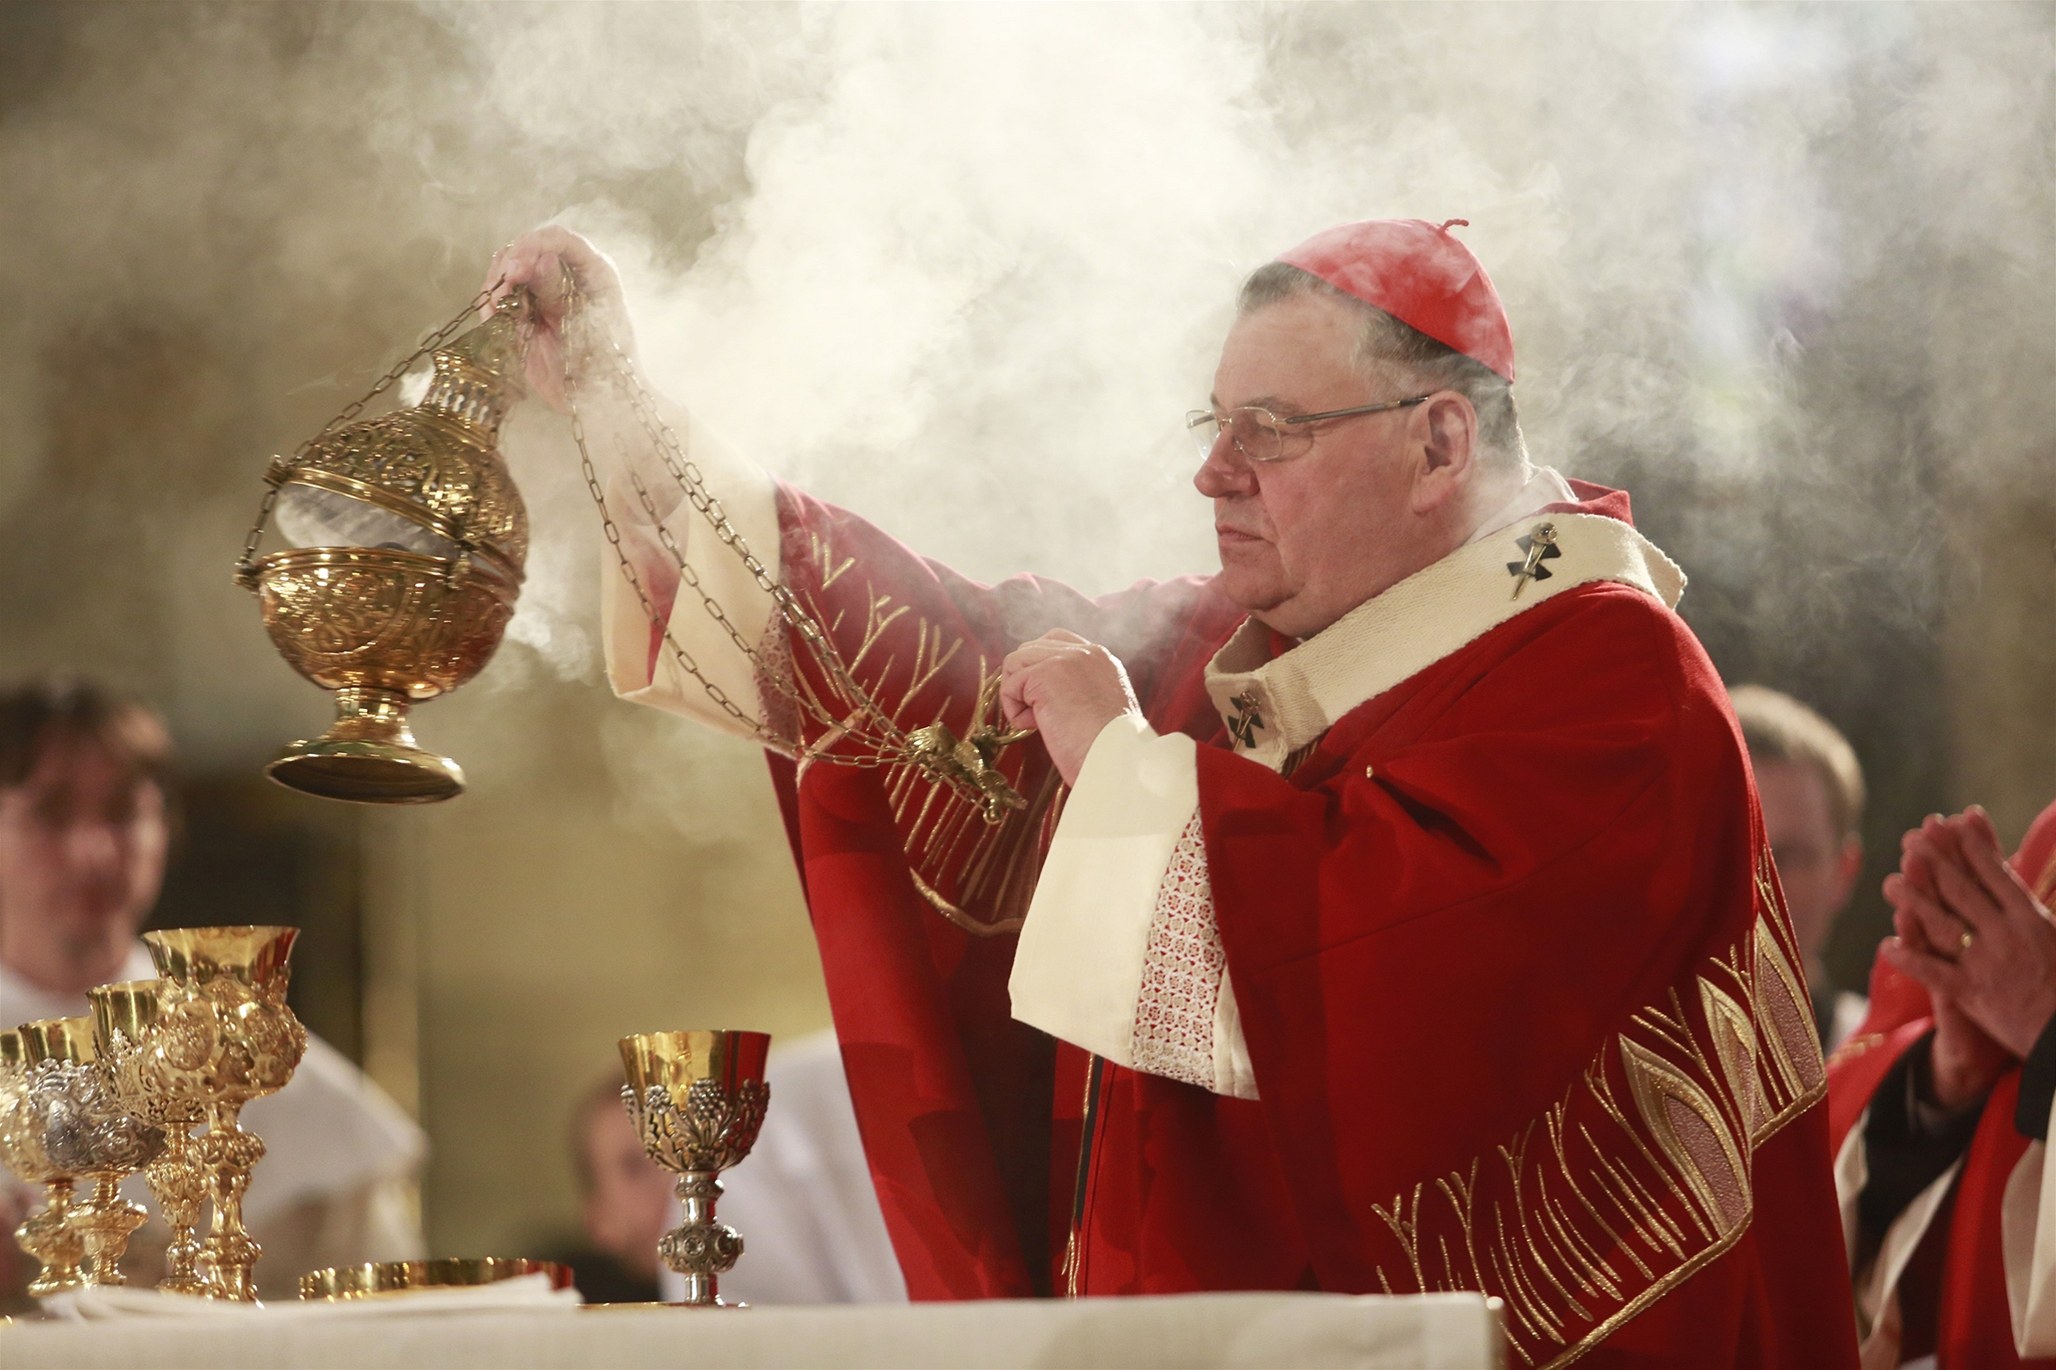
(1974, 935)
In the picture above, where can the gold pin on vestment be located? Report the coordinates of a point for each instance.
(1248, 720)
(1538, 547)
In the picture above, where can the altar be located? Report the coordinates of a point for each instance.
(1224, 1331)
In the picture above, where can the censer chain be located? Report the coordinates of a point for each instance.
(884, 741)
(885, 750)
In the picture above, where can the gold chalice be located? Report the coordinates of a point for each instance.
(227, 1037)
(46, 1235)
(135, 1055)
(408, 539)
(697, 1100)
(90, 1134)
(50, 1234)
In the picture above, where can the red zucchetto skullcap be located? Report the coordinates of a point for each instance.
(1420, 275)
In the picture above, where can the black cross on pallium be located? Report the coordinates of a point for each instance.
(1247, 721)
(1539, 546)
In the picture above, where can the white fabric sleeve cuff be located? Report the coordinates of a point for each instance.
(1233, 1075)
(1079, 964)
(2027, 1233)
(1852, 1173)
(1876, 1286)
(749, 497)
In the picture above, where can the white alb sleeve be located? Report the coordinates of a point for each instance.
(1120, 954)
(2027, 1233)
(652, 675)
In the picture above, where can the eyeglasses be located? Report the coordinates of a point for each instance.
(1262, 436)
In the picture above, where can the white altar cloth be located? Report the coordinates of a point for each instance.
(1314, 1331)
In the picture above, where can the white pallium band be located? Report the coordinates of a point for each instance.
(1114, 936)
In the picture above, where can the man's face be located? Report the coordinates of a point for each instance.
(82, 843)
(1305, 540)
(1817, 863)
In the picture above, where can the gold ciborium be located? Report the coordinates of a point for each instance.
(88, 1133)
(51, 1235)
(228, 1038)
(407, 544)
(697, 1100)
(136, 1057)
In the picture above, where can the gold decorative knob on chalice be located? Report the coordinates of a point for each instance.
(697, 1100)
(407, 540)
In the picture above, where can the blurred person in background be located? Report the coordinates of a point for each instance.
(1940, 1106)
(1811, 788)
(624, 1201)
(85, 827)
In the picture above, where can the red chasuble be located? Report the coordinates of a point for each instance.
(1522, 1002)
(1962, 1299)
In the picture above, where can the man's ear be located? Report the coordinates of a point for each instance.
(1446, 446)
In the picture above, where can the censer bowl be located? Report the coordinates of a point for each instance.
(382, 628)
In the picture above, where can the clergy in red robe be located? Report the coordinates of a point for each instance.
(1940, 1107)
(1390, 912)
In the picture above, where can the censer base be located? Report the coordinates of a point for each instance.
(367, 772)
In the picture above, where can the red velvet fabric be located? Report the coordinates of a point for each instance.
(1441, 928)
(1964, 1296)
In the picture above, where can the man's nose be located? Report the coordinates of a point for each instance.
(94, 845)
(1225, 471)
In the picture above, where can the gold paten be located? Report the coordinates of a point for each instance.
(400, 1277)
(226, 1037)
(697, 1100)
(384, 627)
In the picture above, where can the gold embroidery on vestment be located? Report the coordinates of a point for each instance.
(1647, 1173)
(978, 875)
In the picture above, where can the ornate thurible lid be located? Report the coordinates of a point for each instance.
(437, 463)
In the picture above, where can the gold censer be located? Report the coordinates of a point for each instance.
(406, 541)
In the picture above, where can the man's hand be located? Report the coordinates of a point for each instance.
(1976, 937)
(1067, 689)
(539, 260)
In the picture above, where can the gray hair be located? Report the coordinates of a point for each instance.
(1386, 344)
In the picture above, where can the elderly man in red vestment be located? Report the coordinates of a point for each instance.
(1389, 912)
